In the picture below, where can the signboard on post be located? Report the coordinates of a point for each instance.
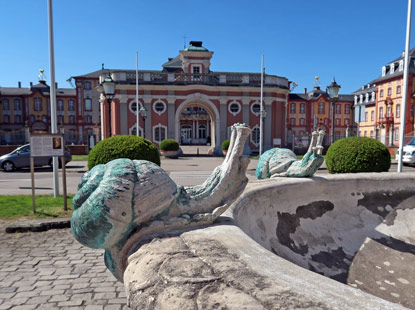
(47, 145)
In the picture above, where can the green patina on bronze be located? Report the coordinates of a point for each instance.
(279, 162)
(124, 200)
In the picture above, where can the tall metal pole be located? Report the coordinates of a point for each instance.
(53, 98)
(261, 125)
(333, 104)
(405, 86)
(136, 95)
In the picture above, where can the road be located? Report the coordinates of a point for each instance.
(185, 171)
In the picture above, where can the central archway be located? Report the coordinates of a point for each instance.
(202, 101)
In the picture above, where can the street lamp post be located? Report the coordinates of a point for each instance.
(334, 96)
(109, 92)
(143, 113)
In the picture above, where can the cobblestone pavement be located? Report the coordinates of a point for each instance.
(51, 270)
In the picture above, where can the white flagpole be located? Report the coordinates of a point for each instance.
(54, 126)
(405, 86)
(261, 125)
(136, 95)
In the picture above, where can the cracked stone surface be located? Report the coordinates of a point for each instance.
(51, 270)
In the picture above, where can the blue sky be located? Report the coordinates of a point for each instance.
(300, 39)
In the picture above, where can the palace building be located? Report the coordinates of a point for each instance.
(378, 104)
(189, 102)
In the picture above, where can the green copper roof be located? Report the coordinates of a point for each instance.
(196, 46)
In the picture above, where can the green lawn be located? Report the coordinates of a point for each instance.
(79, 157)
(16, 207)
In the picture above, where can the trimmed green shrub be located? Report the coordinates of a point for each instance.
(131, 147)
(357, 154)
(169, 145)
(225, 144)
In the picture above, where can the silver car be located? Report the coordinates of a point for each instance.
(20, 158)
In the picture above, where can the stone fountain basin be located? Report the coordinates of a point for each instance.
(358, 229)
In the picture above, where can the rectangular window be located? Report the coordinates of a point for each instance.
(60, 105)
(38, 104)
(71, 105)
(389, 112)
(44, 118)
(87, 85)
(292, 108)
(389, 91)
(6, 119)
(88, 119)
(32, 118)
(302, 121)
(338, 109)
(6, 105)
(372, 116)
(321, 108)
(398, 111)
(347, 122)
(347, 109)
(60, 119)
(159, 134)
(292, 121)
(372, 135)
(366, 117)
(398, 89)
(381, 93)
(17, 105)
(302, 108)
(17, 119)
(337, 121)
(88, 104)
(71, 119)
(381, 113)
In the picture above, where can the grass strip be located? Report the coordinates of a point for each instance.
(20, 206)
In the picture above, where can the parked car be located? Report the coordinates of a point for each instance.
(408, 156)
(20, 158)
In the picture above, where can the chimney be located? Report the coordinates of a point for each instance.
(305, 90)
(20, 84)
(31, 84)
(56, 85)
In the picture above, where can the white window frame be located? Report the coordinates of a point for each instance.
(131, 104)
(239, 107)
(154, 132)
(252, 108)
(132, 128)
(164, 107)
(256, 127)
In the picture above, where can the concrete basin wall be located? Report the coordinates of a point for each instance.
(358, 229)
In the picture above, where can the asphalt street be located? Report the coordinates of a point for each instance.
(186, 171)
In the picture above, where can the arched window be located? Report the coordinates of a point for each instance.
(255, 135)
(159, 133)
(186, 134)
(133, 131)
(202, 132)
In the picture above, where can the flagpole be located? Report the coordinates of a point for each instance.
(405, 86)
(136, 96)
(54, 127)
(261, 125)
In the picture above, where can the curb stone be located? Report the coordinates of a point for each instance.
(37, 225)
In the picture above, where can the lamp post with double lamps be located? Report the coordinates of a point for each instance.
(109, 92)
(334, 96)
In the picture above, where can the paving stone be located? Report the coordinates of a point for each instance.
(104, 289)
(8, 289)
(52, 292)
(94, 307)
(38, 300)
(25, 307)
(70, 303)
(25, 294)
(104, 295)
(57, 298)
(113, 307)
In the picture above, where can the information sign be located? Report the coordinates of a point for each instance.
(46, 145)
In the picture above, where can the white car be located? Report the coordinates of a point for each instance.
(408, 153)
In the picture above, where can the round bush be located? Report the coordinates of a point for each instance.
(357, 154)
(169, 145)
(225, 144)
(131, 147)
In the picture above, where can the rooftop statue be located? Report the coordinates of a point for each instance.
(125, 202)
(279, 162)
